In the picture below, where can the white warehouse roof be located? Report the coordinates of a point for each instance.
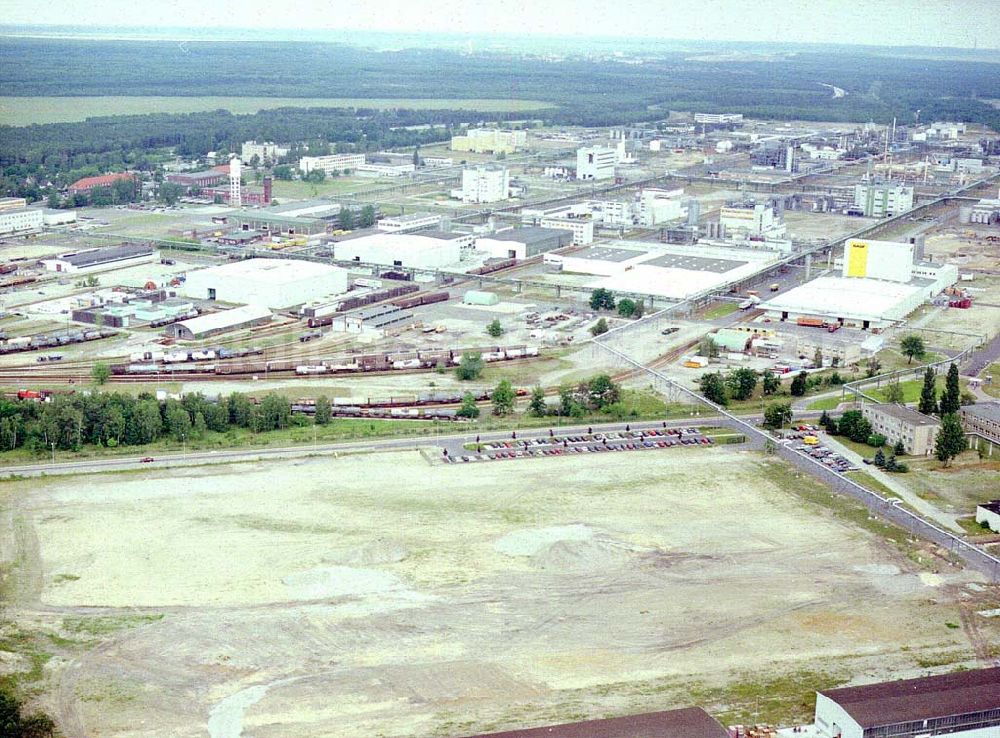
(270, 271)
(850, 298)
(272, 283)
(422, 249)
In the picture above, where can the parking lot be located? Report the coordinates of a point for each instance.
(821, 453)
(584, 443)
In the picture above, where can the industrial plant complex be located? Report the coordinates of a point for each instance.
(687, 428)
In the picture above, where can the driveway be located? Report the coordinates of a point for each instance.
(898, 486)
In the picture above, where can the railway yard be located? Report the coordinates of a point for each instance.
(361, 563)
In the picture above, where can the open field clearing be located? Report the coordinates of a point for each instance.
(24, 111)
(386, 595)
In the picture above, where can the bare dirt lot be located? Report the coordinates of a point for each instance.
(385, 595)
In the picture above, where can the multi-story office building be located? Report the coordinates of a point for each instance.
(883, 200)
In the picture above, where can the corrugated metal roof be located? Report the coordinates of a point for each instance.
(888, 703)
(225, 319)
(690, 722)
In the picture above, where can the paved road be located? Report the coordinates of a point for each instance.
(896, 484)
(453, 441)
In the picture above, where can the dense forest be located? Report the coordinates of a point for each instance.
(585, 91)
(588, 91)
(64, 152)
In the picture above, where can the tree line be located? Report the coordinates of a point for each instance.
(111, 419)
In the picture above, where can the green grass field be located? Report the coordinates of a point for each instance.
(720, 310)
(24, 111)
(299, 190)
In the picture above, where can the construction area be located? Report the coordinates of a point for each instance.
(294, 596)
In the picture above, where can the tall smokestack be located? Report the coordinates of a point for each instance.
(267, 190)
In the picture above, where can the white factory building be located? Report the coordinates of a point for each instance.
(267, 283)
(490, 141)
(675, 272)
(266, 151)
(407, 223)
(484, 183)
(422, 250)
(883, 200)
(384, 170)
(879, 285)
(331, 163)
(101, 259)
(660, 206)
(21, 220)
(752, 219)
(581, 228)
(963, 704)
(596, 162)
(523, 243)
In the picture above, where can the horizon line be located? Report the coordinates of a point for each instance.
(222, 30)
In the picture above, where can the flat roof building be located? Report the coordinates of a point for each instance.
(581, 228)
(489, 141)
(965, 703)
(113, 257)
(420, 250)
(596, 162)
(882, 200)
(331, 163)
(268, 283)
(306, 218)
(689, 722)
(12, 203)
(484, 183)
(221, 322)
(407, 223)
(523, 243)
(192, 180)
(855, 301)
(21, 220)
(899, 423)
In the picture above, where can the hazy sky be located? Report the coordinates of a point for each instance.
(963, 23)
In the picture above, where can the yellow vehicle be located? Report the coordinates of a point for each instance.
(810, 441)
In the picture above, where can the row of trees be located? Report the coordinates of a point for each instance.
(110, 419)
(597, 394)
(603, 299)
(739, 384)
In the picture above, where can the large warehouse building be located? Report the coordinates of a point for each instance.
(674, 272)
(523, 243)
(428, 249)
(880, 285)
(269, 283)
(963, 704)
(92, 260)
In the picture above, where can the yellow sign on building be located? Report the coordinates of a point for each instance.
(857, 259)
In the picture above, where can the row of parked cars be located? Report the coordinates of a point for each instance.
(586, 443)
(827, 457)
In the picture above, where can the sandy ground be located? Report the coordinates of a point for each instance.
(384, 595)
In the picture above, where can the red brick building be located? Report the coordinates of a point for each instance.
(105, 180)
